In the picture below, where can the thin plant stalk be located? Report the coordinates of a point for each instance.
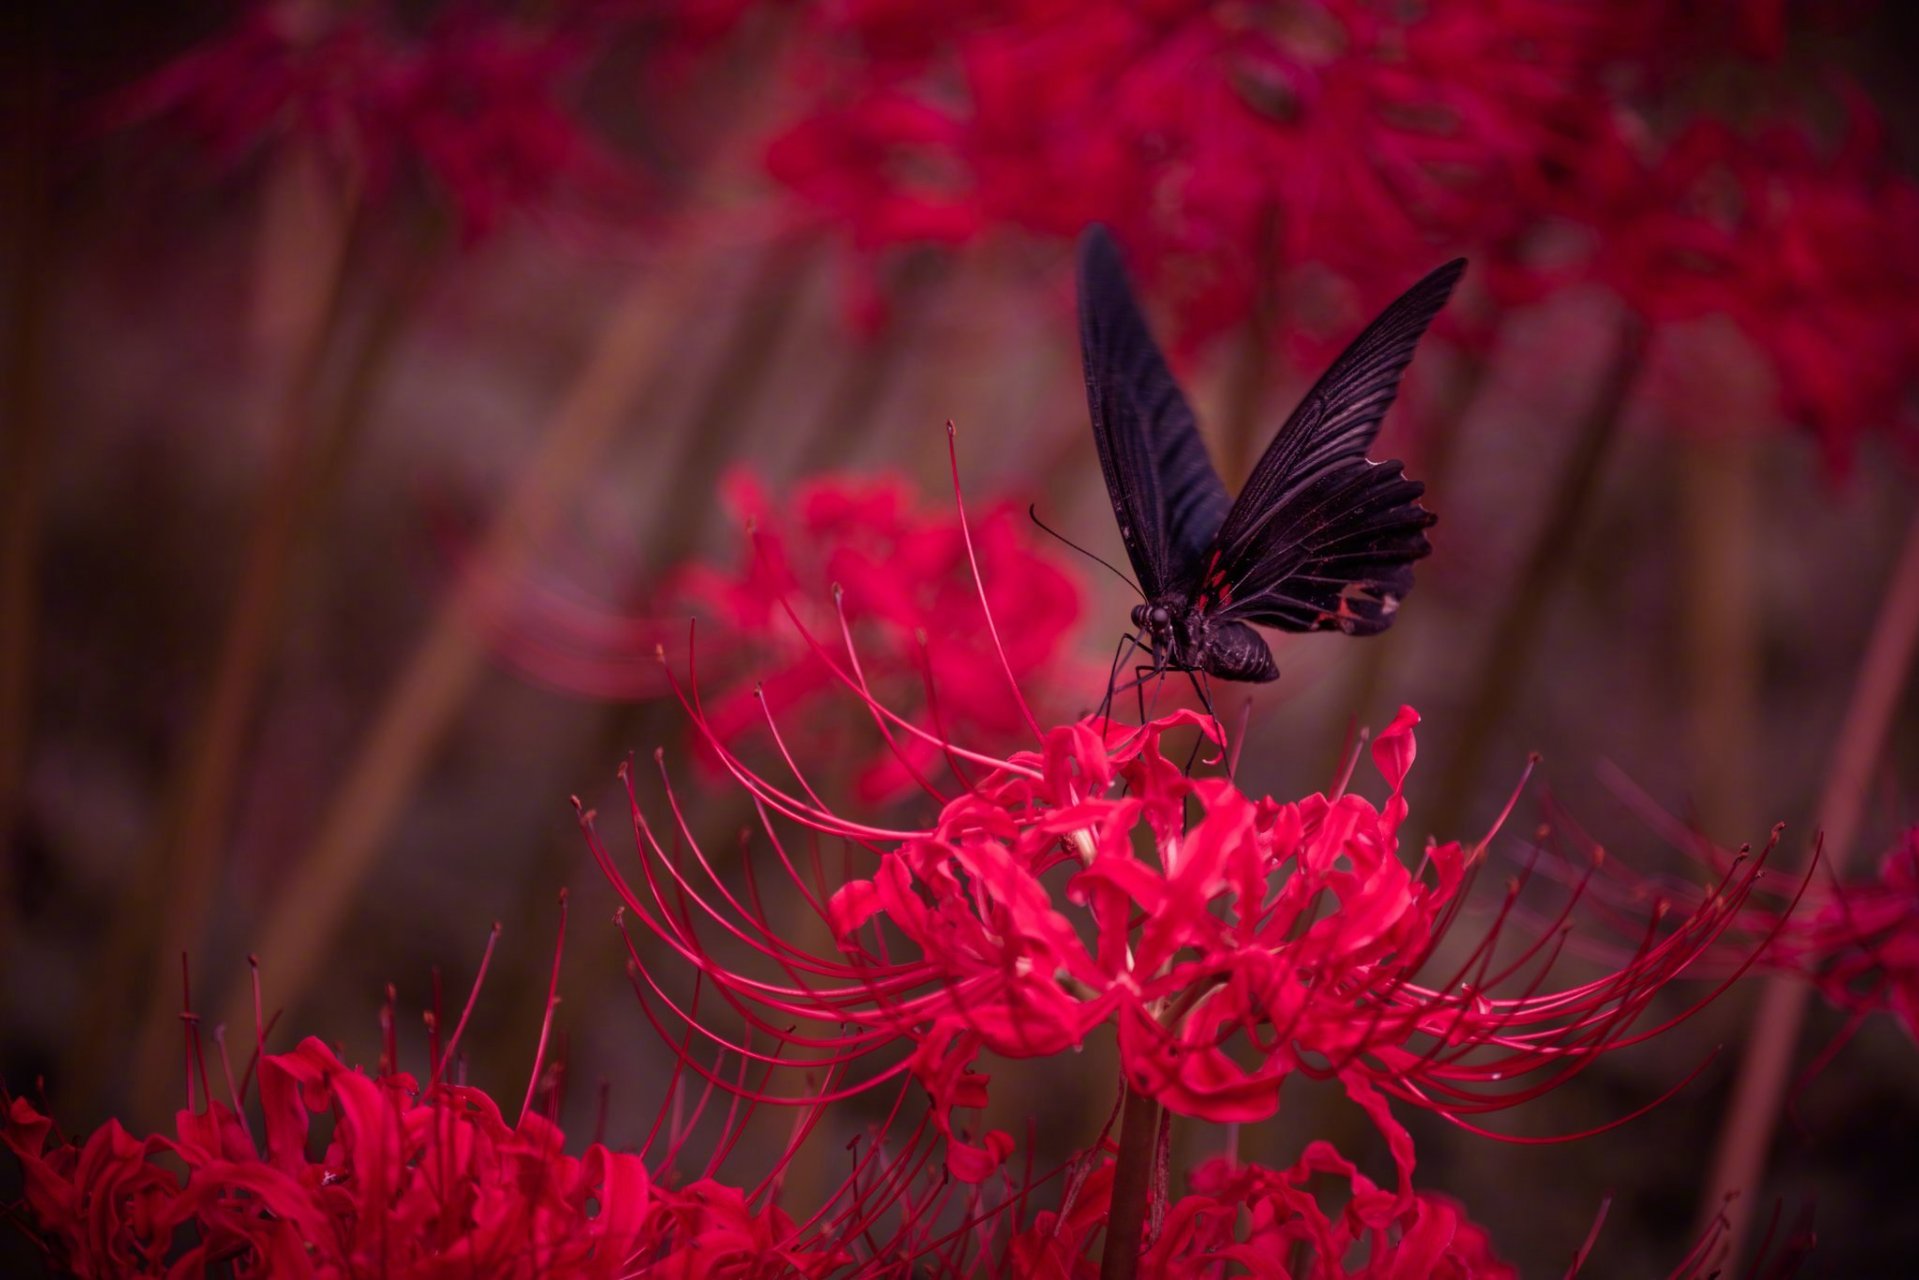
(165, 909)
(1251, 373)
(726, 396)
(1521, 621)
(1746, 1132)
(24, 441)
(273, 568)
(1719, 508)
(300, 925)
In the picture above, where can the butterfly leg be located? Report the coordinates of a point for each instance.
(1120, 654)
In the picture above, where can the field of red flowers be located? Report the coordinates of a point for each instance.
(558, 701)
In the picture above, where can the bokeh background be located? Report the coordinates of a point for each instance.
(359, 357)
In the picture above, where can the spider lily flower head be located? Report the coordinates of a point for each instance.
(859, 553)
(475, 106)
(1257, 1217)
(1090, 884)
(398, 1178)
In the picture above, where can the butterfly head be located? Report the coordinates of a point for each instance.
(1156, 622)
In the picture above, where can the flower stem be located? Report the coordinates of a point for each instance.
(1251, 370)
(23, 446)
(165, 909)
(1720, 510)
(1132, 1186)
(313, 901)
(1516, 632)
(1745, 1137)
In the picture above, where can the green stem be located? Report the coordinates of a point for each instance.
(1516, 631)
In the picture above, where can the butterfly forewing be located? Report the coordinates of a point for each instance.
(1321, 538)
(1168, 499)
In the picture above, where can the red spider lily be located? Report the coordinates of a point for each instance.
(1252, 941)
(858, 553)
(1229, 941)
(1228, 144)
(411, 1182)
(399, 1179)
(1270, 1223)
(475, 105)
(1810, 250)
(1859, 943)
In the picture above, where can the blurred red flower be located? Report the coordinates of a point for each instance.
(1810, 249)
(844, 559)
(1230, 145)
(476, 105)
(1858, 943)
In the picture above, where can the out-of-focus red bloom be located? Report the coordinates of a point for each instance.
(475, 105)
(1859, 943)
(403, 1182)
(843, 556)
(1230, 145)
(1811, 250)
(1270, 1222)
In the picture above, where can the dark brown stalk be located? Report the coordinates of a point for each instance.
(1246, 429)
(310, 906)
(1516, 631)
(164, 911)
(1132, 1187)
(23, 441)
(304, 487)
(1720, 510)
(1746, 1131)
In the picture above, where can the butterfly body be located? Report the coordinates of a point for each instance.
(1320, 539)
(1182, 636)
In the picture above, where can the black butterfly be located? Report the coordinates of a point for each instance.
(1320, 538)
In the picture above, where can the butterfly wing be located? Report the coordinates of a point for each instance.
(1321, 538)
(1168, 499)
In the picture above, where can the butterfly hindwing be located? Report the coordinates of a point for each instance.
(1321, 538)
(1168, 499)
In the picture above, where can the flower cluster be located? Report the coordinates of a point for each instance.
(1229, 942)
(1271, 1222)
(476, 105)
(844, 556)
(1229, 145)
(409, 1182)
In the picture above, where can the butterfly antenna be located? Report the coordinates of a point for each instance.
(1033, 511)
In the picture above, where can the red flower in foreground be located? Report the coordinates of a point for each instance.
(397, 1181)
(1229, 941)
(1270, 1222)
(844, 556)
